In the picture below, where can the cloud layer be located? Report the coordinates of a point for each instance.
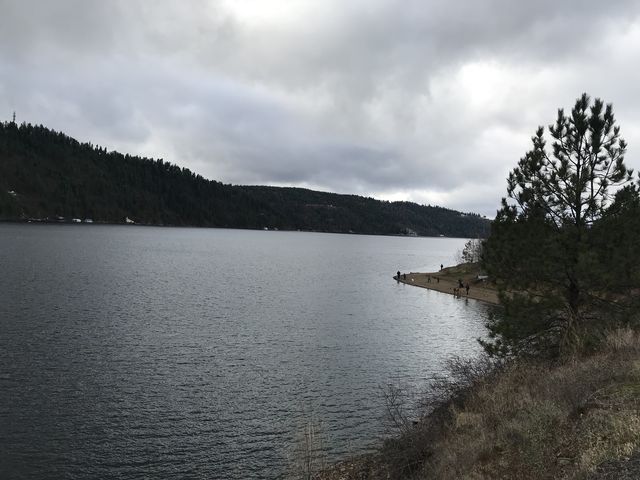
(430, 101)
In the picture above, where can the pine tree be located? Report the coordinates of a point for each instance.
(547, 249)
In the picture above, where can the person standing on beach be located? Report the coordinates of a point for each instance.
(398, 277)
(466, 287)
(441, 266)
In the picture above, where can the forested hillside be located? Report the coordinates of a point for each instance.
(46, 174)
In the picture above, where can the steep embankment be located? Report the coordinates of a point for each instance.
(577, 419)
(46, 174)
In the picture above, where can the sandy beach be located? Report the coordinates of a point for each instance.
(446, 280)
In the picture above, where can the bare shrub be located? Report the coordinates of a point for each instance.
(309, 452)
(418, 427)
(461, 374)
(396, 408)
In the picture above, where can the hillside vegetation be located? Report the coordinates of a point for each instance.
(47, 174)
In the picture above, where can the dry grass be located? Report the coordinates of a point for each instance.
(525, 420)
(535, 421)
(467, 272)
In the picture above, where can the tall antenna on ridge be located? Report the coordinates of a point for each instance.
(14, 116)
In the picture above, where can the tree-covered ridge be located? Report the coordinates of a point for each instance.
(46, 174)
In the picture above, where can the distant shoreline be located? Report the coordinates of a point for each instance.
(99, 222)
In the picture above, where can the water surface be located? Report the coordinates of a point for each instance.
(138, 352)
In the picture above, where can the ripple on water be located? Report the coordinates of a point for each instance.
(196, 353)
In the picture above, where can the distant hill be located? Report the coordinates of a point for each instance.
(48, 175)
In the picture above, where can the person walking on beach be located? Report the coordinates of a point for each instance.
(466, 287)
(441, 266)
(398, 276)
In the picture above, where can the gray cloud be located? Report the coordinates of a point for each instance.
(427, 101)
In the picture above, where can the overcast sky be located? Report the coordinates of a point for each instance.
(430, 101)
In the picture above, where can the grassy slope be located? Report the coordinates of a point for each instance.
(528, 420)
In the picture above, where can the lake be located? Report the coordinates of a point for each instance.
(141, 352)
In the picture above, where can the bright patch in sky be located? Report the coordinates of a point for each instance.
(483, 83)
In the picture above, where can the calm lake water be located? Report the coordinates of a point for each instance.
(139, 352)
